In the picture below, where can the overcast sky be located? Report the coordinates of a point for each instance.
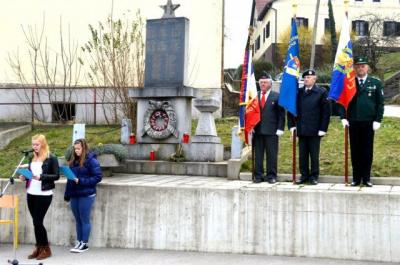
(237, 16)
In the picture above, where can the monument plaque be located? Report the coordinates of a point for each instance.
(166, 50)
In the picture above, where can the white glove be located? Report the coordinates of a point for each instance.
(321, 133)
(345, 123)
(279, 132)
(376, 125)
(292, 130)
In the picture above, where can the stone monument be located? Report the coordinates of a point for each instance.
(164, 112)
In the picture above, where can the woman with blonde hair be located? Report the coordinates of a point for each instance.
(44, 168)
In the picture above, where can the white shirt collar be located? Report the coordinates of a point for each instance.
(363, 78)
(266, 92)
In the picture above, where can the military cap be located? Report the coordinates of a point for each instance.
(361, 60)
(308, 72)
(265, 75)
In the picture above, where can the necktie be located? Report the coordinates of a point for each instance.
(263, 100)
(361, 82)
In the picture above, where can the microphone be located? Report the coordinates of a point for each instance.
(27, 151)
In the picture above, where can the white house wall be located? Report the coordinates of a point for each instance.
(205, 35)
(84, 112)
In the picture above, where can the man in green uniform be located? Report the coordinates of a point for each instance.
(364, 116)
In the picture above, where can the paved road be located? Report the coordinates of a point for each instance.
(108, 256)
(392, 111)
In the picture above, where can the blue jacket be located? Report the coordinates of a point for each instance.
(89, 175)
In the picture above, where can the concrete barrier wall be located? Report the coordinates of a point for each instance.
(216, 215)
(6, 136)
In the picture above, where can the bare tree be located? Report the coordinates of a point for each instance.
(44, 73)
(376, 41)
(114, 57)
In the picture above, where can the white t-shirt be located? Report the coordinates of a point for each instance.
(35, 187)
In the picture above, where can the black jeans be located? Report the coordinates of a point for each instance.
(38, 206)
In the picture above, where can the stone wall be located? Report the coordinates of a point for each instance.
(217, 215)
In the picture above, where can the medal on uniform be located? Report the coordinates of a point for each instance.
(369, 94)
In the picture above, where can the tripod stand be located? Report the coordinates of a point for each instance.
(11, 182)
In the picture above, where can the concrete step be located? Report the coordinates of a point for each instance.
(208, 169)
(395, 181)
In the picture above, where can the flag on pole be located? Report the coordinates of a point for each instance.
(291, 73)
(249, 109)
(249, 114)
(343, 86)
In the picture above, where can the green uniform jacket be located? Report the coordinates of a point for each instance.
(367, 104)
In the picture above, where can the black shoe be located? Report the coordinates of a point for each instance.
(257, 180)
(301, 181)
(313, 182)
(353, 184)
(272, 180)
(367, 184)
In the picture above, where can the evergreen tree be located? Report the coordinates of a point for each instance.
(332, 29)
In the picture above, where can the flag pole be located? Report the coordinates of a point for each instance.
(294, 157)
(253, 175)
(294, 132)
(346, 153)
(346, 128)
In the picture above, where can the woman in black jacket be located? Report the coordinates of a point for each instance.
(82, 191)
(44, 168)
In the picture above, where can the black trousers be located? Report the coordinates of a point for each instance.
(309, 149)
(362, 146)
(38, 206)
(266, 144)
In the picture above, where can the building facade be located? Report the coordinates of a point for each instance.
(273, 17)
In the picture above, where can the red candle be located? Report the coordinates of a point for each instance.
(132, 139)
(185, 138)
(152, 155)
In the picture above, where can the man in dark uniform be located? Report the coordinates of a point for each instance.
(267, 131)
(311, 123)
(364, 116)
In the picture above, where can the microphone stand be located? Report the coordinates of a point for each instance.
(11, 182)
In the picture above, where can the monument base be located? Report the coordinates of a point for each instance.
(204, 152)
(197, 152)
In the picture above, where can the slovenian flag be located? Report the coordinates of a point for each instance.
(291, 73)
(249, 112)
(343, 85)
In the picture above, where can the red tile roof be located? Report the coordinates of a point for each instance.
(261, 5)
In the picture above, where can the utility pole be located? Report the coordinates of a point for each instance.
(314, 35)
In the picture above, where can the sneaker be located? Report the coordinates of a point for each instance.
(77, 245)
(82, 248)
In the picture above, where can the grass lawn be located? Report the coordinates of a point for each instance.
(58, 137)
(386, 161)
(390, 61)
(386, 155)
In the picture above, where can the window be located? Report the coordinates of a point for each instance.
(63, 111)
(302, 22)
(327, 25)
(267, 30)
(391, 28)
(263, 35)
(360, 27)
(257, 44)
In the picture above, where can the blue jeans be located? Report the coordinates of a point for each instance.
(81, 208)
